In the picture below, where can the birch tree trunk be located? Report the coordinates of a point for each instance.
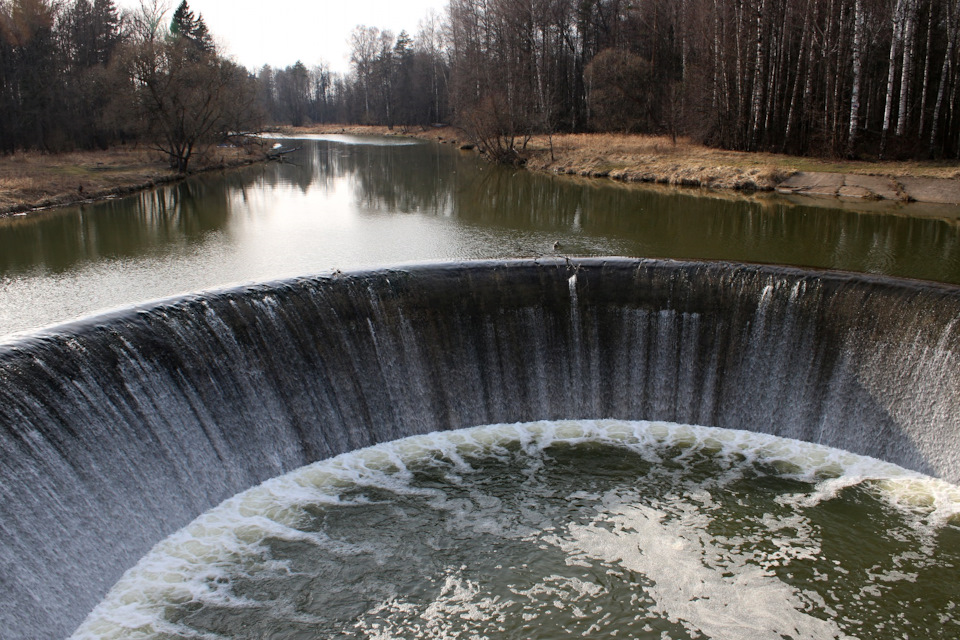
(740, 64)
(778, 59)
(944, 77)
(806, 105)
(910, 7)
(926, 71)
(858, 28)
(891, 73)
(758, 83)
(792, 109)
(721, 87)
(839, 47)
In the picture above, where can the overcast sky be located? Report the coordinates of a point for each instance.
(280, 32)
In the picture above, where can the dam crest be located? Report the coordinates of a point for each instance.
(120, 429)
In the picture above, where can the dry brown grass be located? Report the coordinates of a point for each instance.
(658, 159)
(31, 180)
(37, 180)
(649, 158)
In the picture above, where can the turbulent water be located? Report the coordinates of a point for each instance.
(572, 528)
(117, 432)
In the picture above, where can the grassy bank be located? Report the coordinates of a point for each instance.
(634, 158)
(656, 159)
(34, 180)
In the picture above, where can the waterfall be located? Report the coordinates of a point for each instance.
(117, 430)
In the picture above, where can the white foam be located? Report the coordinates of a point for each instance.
(695, 582)
(707, 585)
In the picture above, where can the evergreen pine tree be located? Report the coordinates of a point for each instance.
(183, 21)
(192, 29)
(200, 35)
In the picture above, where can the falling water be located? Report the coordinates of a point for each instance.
(117, 431)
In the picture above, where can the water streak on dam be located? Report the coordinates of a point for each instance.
(117, 431)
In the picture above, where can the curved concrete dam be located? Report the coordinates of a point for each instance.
(117, 431)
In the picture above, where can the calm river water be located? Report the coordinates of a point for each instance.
(345, 202)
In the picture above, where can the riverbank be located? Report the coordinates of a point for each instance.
(32, 181)
(656, 159)
(633, 158)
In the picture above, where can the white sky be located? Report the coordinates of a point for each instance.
(280, 32)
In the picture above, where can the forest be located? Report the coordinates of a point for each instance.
(80, 74)
(870, 79)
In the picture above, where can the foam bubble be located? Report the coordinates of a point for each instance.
(693, 577)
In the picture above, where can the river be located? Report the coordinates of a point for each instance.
(344, 202)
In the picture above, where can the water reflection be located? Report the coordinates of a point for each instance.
(154, 221)
(346, 202)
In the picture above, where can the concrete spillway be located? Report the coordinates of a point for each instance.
(116, 431)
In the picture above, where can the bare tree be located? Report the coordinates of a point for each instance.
(148, 22)
(188, 97)
(363, 54)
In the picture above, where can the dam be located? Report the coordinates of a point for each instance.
(118, 430)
